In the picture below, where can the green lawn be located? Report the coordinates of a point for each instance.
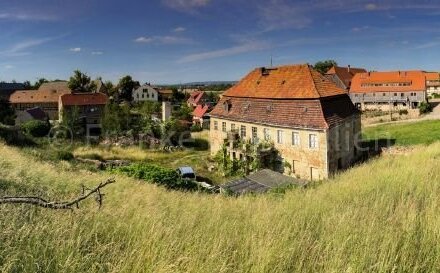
(405, 134)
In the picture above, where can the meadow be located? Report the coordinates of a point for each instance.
(377, 217)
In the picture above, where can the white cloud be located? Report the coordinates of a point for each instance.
(75, 49)
(8, 66)
(164, 40)
(371, 6)
(13, 16)
(185, 5)
(359, 29)
(279, 14)
(20, 49)
(179, 29)
(428, 45)
(97, 53)
(235, 50)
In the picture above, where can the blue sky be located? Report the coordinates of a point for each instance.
(173, 41)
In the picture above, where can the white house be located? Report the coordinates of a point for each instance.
(145, 93)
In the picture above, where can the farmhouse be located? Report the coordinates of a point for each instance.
(342, 76)
(46, 98)
(310, 121)
(89, 108)
(382, 90)
(201, 116)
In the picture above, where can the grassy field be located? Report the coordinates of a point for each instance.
(412, 133)
(378, 217)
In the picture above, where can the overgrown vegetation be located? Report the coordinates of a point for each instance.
(382, 221)
(158, 175)
(36, 128)
(425, 108)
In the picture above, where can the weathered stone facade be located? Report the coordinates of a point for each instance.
(335, 149)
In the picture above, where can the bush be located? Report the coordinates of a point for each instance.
(425, 108)
(196, 128)
(36, 128)
(64, 155)
(13, 136)
(403, 112)
(157, 175)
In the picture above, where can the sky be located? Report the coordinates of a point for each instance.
(177, 41)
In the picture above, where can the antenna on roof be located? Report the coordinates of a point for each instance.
(271, 61)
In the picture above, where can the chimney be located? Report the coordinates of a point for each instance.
(166, 111)
(348, 68)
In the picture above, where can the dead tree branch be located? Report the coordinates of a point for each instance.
(38, 201)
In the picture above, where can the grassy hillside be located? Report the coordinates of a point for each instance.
(365, 220)
(411, 133)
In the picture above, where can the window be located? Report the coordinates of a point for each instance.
(395, 94)
(313, 141)
(243, 131)
(266, 133)
(295, 165)
(402, 95)
(255, 134)
(216, 125)
(295, 138)
(384, 94)
(224, 126)
(232, 127)
(280, 137)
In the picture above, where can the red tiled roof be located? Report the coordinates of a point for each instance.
(345, 74)
(306, 113)
(200, 111)
(47, 93)
(284, 82)
(195, 97)
(80, 99)
(432, 76)
(365, 82)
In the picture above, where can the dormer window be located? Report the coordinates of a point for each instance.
(227, 106)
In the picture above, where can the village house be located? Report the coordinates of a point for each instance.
(432, 83)
(201, 116)
(197, 98)
(89, 108)
(46, 98)
(310, 121)
(6, 89)
(386, 90)
(31, 114)
(145, 92)
(342, 76)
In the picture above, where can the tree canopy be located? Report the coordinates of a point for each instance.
(125, 86)
(80, 82)
(7, 113)
(324, 66)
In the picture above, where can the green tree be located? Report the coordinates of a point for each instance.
(125, 86)
(7, 113)
(39, 82)
(183, 113)
(116, 119)
(72, 120)
(324, 66)
(177, 96)
(80, 82)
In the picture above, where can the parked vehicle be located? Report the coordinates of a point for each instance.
(187, 173)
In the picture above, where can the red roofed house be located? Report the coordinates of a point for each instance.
(313, 124)
(197, 98)
(342, 76)
(46, 98)
(89, 107)
(200, 116)
(399, 89)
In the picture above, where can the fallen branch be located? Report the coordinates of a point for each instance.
(38, 201)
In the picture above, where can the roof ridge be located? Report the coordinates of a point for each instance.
(313, 82)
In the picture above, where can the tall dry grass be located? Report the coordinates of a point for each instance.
(383, 216)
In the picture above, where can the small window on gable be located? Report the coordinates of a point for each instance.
(227, 106)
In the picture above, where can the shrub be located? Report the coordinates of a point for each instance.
(425, 108)
(36, 128)
(157, 175)
(196, 128)
(64, 155)
(13, 136)
(403, 112)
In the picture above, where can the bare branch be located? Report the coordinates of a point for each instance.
(37, 201)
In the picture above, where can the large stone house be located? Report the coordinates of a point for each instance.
(46, 98)
(432, 83)
(342, 76)
(388, 90)
(311, 122)
(89, 107)
(197, 98)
